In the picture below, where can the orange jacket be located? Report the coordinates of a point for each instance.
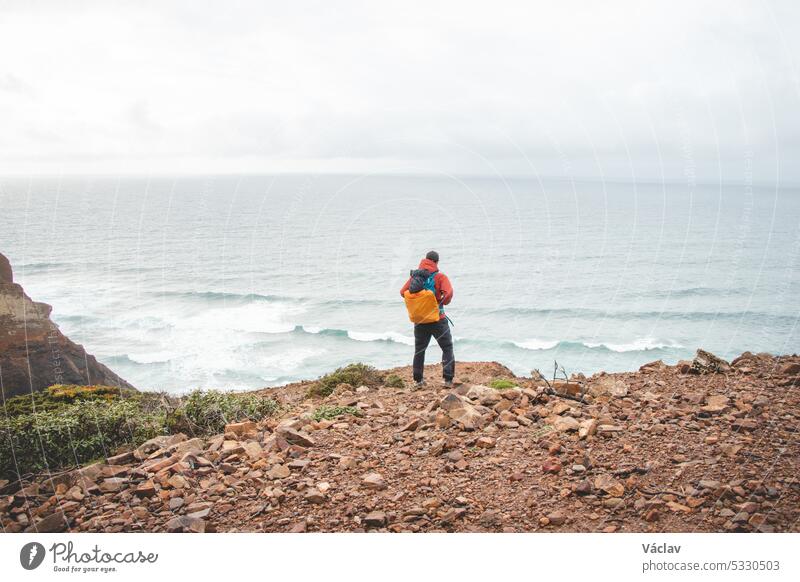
(443, 288)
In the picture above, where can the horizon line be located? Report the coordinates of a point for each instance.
(443, 175)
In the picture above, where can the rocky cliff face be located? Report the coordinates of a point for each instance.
(34, 354)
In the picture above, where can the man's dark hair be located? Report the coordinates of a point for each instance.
(433, 256)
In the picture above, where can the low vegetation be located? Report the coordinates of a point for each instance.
(58, 395)
(354, 374)
(394, 381)
(66, 426)
(327, 412)
(502, 384)
(207, 412)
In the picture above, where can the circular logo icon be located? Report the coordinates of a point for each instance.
(31, 555)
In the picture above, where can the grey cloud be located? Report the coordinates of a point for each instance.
(623, 88)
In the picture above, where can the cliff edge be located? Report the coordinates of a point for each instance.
(704, 446)
(34, 354)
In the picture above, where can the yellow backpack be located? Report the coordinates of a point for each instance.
(420, 297)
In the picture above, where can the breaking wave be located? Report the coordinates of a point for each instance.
(223, 296)
(534, 344)
(359, 336)
(638, 345)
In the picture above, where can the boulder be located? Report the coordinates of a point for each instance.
(556, 518)
(743, 360)
(247, 428)
(707, 363)
(375, 519)
(113, 484)
(275, 442)
(145, 489)
(790, 369)
(609, 385)
(253, 449)
(314, 496)
(565, 423)
(373, 481)
(588, 428)
(53, 523)
(411, 425)
(114, 470)
(609, 430)
(121, 459)
(185, 523)
(485, 443)
(483, 394)
(611, 486)
(279, 472)
(715, 403)
(461, 412)
(655, 366)
(183, 447)
(551, 466)
(568, 387)
(295, 437)
(163, 442)
(178, 481)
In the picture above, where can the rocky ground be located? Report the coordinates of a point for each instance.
(702, 446)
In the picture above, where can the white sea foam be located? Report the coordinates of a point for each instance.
(637, 345)
(152, 357)
(363, 336)
(287, 361)
(536, 344)
(253, 317)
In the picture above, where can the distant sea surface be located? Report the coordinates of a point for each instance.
(228, 282)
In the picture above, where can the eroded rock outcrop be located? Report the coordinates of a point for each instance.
(34, 354)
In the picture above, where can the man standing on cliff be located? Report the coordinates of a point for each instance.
(429, 284)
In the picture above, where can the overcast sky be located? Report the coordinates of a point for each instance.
(614, 89)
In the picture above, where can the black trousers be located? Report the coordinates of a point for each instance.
(440, 331)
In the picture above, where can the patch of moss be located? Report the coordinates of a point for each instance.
(327, 412)
(502, 384)
(354, 374)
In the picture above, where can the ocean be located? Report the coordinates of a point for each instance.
(246, 282)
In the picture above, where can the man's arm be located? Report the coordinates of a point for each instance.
(445, 289)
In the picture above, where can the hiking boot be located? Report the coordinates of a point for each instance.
(448, 383)
(419, 383)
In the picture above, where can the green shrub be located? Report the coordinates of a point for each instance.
(353, 374)
(394, 381)
(60, 395)
(502, 384)
(73, 435)
(327, 412)
(207, 412)
(81, 428)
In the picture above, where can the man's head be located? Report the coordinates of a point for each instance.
(433, 256)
